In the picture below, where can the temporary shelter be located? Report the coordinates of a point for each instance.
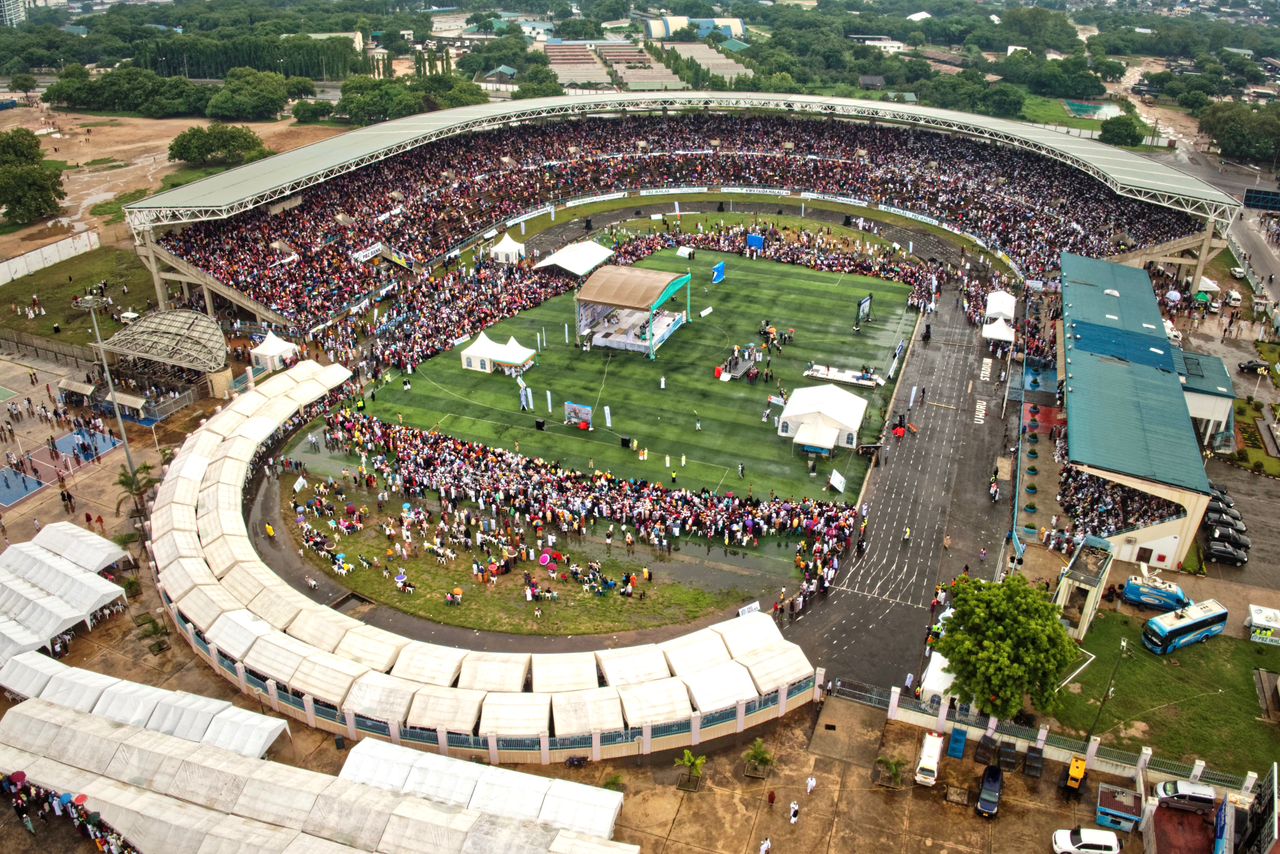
(494, 671)
(515, 715)
(630, 665)
(241, 731)
(486, 355)
(27, 673)
(83, 548)
(450, 709)
(564, 671)
(272, 353)
(821, 418)
(720, 687)
(577, 258)
(584, 712)
(507, 250)
(1001, 304)
(998, 330)
(655, 702)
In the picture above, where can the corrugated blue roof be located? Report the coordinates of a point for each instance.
(1200, 372)
(1110, 295)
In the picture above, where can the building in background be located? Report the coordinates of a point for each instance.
(12, 12)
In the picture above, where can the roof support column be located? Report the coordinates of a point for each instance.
(152, 263)
(208, 301)
(1202, 257)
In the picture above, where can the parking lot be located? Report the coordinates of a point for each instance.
(1256, 498)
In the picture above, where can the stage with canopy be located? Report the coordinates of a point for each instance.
(621, 308)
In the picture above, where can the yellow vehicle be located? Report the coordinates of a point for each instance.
(1074, 776)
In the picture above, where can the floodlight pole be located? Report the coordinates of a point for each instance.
(1106, 695)
(93, 303)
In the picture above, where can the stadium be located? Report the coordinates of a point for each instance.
(509, 407)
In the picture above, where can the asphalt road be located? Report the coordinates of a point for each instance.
(873, 625)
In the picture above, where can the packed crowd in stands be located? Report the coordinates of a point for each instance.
(35, 807)
(555, 501)
(303, 262)
(1101, 508)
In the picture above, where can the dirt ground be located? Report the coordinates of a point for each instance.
(129, 153)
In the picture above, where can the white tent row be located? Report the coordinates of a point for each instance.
(80, 588)
(998, 330)
(83, 548)
(187, 716)
(42, 613)
(495, 791)
(577, 258)
(16, 639)
(1001, 304)
(631, 665)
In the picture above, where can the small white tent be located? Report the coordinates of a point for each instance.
(998, 331)
(578, 258)
(486, 355)
(1001, 304)
(823, 417)
(271, 354)
(506, 250)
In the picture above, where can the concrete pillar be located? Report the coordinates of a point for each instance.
(544, 747)
(1144, 758)
(309, 709)
(695, 728)
(1203, 257)
(1092, 750)
(350, 717)
(273, 695)
(741, 716)
(595, 745)
(393, 731)
(248, 377)
(1042, 736)
(992, 723)
(442, 741)
(942, 714)
(208, 300)
(646, 739)
(1250, 780)
(1197, 770)
(1148, 813)
(493, 748)
(244, 683)
(819, 680)
(162, 292)
(782, 700)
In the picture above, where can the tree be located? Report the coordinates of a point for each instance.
(1004, 642)
(1002, 100)
(134, 487)
(29, 193)
(20, 147)
(249, 95)
(1121, 130)
(312, 111)
(300, 87)
(23, 83)
(692, 764)
(216, 144)
(758, 756)
(538, 82)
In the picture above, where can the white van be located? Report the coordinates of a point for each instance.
(1234, 299)
(930, 756)
(1171, 332)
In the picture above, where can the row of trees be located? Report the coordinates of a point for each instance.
(247, 95)
(366, 100)
(29, 190)
(1243, 132)
(1187, 37)
(210, 58)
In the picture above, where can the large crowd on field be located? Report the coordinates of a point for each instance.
(303, 261)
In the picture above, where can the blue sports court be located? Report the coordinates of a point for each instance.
(14, 486)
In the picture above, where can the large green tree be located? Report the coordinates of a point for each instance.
(539, 82)
(1121, 130)
(28, 190)
(249, 95)
(1005, 642)
(217, 144)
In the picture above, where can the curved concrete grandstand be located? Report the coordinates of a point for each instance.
(341, 675)
(263, 181)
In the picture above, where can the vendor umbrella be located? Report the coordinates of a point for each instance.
(405, 506)
(79, 800)
(402, 577)
(1173, 296)
(64, 798)
(545, 559)
(19, 777)
(1203, 297)
(457, 591)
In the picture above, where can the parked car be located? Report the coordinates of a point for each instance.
(1253, 366)
(989, 793)
(1221, 520)
(1216, 551)
(1235, 539)
(1237, 272)
(1086, 840)
(1184, 795)
(1220, 495)
(1216, 506)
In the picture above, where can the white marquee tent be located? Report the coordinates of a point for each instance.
(507, 250)
(1001, 304)
(26, 674)
(578, 258)
(83, 548)
(272, 353)
(822, 416)
(486, 355)
(998, 330)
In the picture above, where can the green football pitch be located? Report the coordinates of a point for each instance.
(820, 307)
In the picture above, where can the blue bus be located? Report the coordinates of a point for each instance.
(1192, 624)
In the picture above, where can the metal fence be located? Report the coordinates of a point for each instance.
(44, 348)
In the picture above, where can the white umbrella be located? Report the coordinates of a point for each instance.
(1173, 296)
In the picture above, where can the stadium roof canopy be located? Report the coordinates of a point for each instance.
(1126, 412)
(629, 287)
(278, 177)
(180, 337)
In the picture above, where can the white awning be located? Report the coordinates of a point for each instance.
(242, 731)
(510, 793)
(279, 605)
(720, 687)
(68, 384)
(586, 809)
(814, 435)
(515, 714)
(326, 676)
(998, 330)
(659, 702)
(565, 671)
(693, 652)
(429, 663)
(630, 665)
(1001, 304)
(381, 697)
(584, 712)
(83, 548)
(322, 628)
(236, 631)
(274, 346)
(507, 250)
(131, 703)
(442, 779)
(82, 589)
(379, 764)
(577, 258)
(179, 576)
(76, 689)
(772, 667)
(27, 673)
(132, 401)
(277, 656)
(205, 603)
(184, 715)
(747, 633)
(453, 709)
(494, 671)
(377, 648)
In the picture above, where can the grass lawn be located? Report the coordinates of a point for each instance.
(1051, 111)
(1197, 702)
(187, 174)
(501, 607)
(118, 266)
(1255, 450)
(819, 306)
(114, 209)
